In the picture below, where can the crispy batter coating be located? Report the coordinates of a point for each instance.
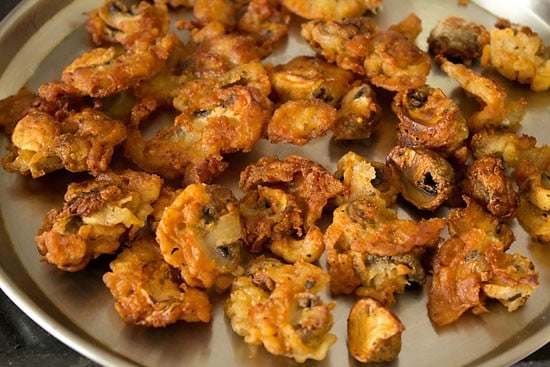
(299, 121)
(103, 72)
(374, 332)
(81, 141)
(518, 53)
(472, 266)
(497, 111)
(13, 108)
(458, 40)
(114, 22)
(331, 9)
(359, 114)
(534, 207)
(429, 119)
(200, 234)
(486, 181)
(96, 216)
(277, 306)
(219, 121)
(283, 201)
(427, 179)
(341, 42)
(410, 27)
(310, 77)
(147, 290)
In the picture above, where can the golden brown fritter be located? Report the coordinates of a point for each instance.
(283, 201)
(97, 215)
(309, 77)
(427, 179)
(410, 27)
(486, 181)
(497, 111)
(13, 108)
(331, 9)
(458, 40)
(473, 266)
(199, 234)
(218, 122)
(374, 332)
(114, 22)
(299, 121)
(277, 306)
(429, 119)
(81, 141)
(148, 291)
(359, 114)
(518, 53)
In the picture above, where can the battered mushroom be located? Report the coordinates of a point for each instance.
(429, 119)
(283, 201)
(472, 266)
(359, 114)
(277, 306)
(81, 142)
(486, 181)
(374, 332)
(199, 234)
(96, 217)
(15, 107)
(147, 292)
(427, 179)
(458, 40)
(331, 9)
(519, 54)
(300, 121)
(497, 111)
(310, 77)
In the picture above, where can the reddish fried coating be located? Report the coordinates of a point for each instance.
(147, 292)
(199, 234)
(299, 121)
(114, 22)
(429, 119)
(359, 114)
(277, 306)
(82, 141)
(486, 181)
(331, 9)
(219, 121)
(96, 216)
(15, 107)
(457, 39)
(103, 72)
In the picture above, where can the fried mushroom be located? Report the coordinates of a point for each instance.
(427, 179)
(359, 114)
(277, 306)
(331, 9)
(147, 292)
(97, 215)
(199, 234)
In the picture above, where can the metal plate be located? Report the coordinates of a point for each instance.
(40, 37)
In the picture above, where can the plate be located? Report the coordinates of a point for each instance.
(40, 37)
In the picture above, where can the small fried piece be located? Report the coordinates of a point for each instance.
(410, 27)
(427, 179)
(199, 233)
(458, 40)
(534, 207)
(147, 293)
(82, 141)
(486, 181)
(15, 107)
(331, 9)
(114, 22)
(429, 119)
(497, 111)
(359, 114)
(518, 53)
(277, 306)
(310, 77)
(374, 332)
(300, 121)
(97, 215)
